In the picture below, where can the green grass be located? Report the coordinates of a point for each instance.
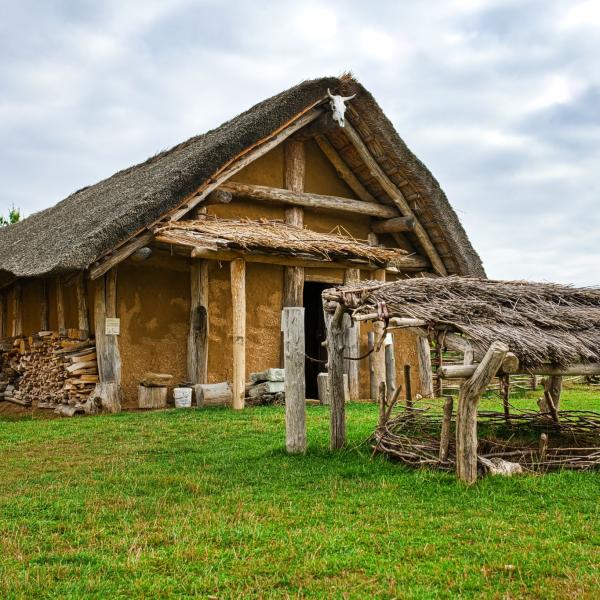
(206, 503)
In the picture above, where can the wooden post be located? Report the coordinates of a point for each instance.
(295, 167)
(292, 325)
(82, 308)
(466, 418)
(505, 394)
(352, 342)
(44, 307)
(445, 433)
(425, 370)
(60, 307)
(390, 365)
(17, 315)
(238, 301)
(408, 387)
(439, 380)
(335, 368)
(107, 346)
(372, 379)
(197, 349)
(2, 315)
(322, 386)
(553, 386)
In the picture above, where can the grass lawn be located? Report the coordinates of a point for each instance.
(206, 503)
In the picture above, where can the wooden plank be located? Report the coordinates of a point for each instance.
(425, 368)
(352, 341)
(292, 325)
(308, 200)
(44, 306)
(395, 225)
(335, 369)
(238, 301)
(83, 320)
(108, 262)
(466, 416)
(197, 349)
(17, 311)
(344, 171)
(3, 314)
(60, 306)
(396, 196)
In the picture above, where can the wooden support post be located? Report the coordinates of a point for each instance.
(295, 166)
(335, 368)
(3, 313)
(553, 386)
(505, 393)
(238, 301)
(107, 346)
(292, 325)
(60, 307)
(390, 365)
(372, 379)
(197, 349)
(17, 312)
(82, 308)
(352, 342)
(383, 399)
(439, 379)
(445, 433)
(44, 306)
(425, 370)
(408, 387)
(322, 386)
(466, 418)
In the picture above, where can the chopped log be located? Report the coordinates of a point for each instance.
(156, 379)
(466, 418)
(83, 357)
(446, 425)
(213, 394)
(266, 387)
(238, 301)
(499, 466)
(308, 200)
(396, 196)
(322, 383)
(292, 325)
(152, 397)
(107, 394)
(352, 342)
(390, 365)
(425, 368)
(197, 349)
(82, 308)
(395, 225)
(78, 366)
(218, 196)
(271, 374)
(335, 368)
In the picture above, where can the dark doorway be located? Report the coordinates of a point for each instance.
(314, 329)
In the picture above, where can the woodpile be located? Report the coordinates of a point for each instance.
(266, 387)
(48, 369)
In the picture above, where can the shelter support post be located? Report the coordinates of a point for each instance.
(292, 326)
(197, 349)
(294, 181)
(505, 393)
(446, 425)
(390, 365)
(3, 313)
(238, 301)
(378, 329)
(425, 370)
(44, 307)
(60, 307)
(17, 312)
(335, 369)
(552, 386)
(107, 345)
(352, 343)
(83, 319)
(372, 380)
(466, 418)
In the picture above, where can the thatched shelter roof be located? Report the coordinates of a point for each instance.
(94, 220)
(275, 236)
(542, 323)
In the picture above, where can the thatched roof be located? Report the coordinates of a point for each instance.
(89, 223)
(274, 236)
(540, 322)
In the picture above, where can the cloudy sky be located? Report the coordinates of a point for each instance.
(501, 99)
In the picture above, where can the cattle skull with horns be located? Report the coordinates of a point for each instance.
(338, 107)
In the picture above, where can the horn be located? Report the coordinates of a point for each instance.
(329, 93)
(346, 98)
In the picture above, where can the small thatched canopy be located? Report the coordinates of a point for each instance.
(542, 323)
(94, 220)
(275, 236)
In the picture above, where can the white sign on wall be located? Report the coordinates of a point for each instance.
(112, 326)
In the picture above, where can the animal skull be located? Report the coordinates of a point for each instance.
(338, 107)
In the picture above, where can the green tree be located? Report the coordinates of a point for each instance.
(14, 215)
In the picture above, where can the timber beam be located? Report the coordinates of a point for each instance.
(395, 225)
(304, 199)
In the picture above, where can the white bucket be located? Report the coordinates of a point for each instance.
(183, 397)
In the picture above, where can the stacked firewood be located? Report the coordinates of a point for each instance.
(49, 369)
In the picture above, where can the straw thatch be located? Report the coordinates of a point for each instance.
(77, 231)
(274, 236)
(540, 322)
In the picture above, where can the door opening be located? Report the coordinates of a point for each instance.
(314, 332)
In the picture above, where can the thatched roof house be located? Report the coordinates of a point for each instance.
(362, 203)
